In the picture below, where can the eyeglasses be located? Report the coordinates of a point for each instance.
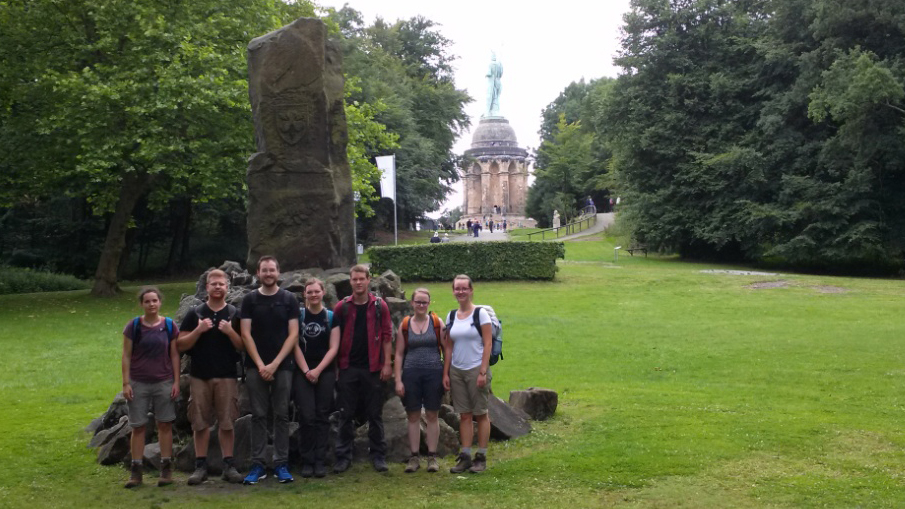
(421, 302)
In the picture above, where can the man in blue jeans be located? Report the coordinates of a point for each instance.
(362, 325)
(270, 330)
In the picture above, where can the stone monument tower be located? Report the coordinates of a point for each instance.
(300, 206)
(495, 179)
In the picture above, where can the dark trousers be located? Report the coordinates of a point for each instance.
(274, 394)
(360, 386)
(313, 402)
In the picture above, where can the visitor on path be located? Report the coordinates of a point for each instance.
(445, 237)
(436, 238)
(468, 224)
(419, 377)
(209, 337)
(491, 226)
(314, 380)
(270, 327)
(476, 227)
(504, 225)
(150, 369)
(466, 374)
(362, 327)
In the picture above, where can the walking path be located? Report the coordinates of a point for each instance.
(604, 220)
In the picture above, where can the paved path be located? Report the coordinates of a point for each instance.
(483, 236)
(604, 220)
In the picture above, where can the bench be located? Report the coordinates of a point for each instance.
(637, 247)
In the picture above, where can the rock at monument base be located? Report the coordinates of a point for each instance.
(116, 446)
(399, 309)
(117, 409)
(506, 422)
(342, 284)
(449, 440)
(540, 404)
(449, 416)
(152, 455)
(387, 285)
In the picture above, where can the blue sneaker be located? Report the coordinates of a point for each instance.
(282, 473)
(256, 474)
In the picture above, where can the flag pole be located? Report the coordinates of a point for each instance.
(395, 221)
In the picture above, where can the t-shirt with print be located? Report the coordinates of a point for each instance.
(213, 355)
(316, 334)
(150, 361)
(468, 345)
(270, 316)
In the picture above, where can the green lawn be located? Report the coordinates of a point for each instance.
(677, 389)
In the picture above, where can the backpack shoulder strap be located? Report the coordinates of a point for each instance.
(169, 323)
(344, 310)
(330, 319)
(302, 315)
(136, 329)
(476, 318)
(404, 327)
(437, 326)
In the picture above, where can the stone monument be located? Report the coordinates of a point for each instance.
(495, 175)
(556, 221)
(300, 204)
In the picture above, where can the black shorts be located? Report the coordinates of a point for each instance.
(422, 387)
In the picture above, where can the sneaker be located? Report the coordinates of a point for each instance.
(256, 474)
(413, 464)
(166, 473)
(463, 463)
(307, 470)
(479, 464)
(198, 476)
(341, 466)
(282, 473)
(380, 464)
(320, 470)
(230, 474)
(432, 464)
(135, 474)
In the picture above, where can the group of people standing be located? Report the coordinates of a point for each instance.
(318, 358)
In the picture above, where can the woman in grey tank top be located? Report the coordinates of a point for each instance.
(419, 377)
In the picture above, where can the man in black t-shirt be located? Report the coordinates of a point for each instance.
(208, 335)
(270, 330)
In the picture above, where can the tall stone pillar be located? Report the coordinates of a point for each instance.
(504, 188)
(486, 206)
(300, 206)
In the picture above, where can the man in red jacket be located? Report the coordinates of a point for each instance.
(362, 324)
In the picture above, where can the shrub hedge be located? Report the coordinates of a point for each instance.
(17, 280)
(480, 260)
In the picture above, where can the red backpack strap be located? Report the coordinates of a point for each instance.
(404, 327)
(437, 326)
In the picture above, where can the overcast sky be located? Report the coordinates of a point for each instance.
(542, 50)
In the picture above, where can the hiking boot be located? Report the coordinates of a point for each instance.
(135, 475)
(479, 464)
(198, 476)
(230, 474)
(341, 466)
(463, 463)
(256, 474)
(380, 464)
(282, 473)
(413, 464)
(166, 473)
(432, 464)
(320, 470)
(307, 470)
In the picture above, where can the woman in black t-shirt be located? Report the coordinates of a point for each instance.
(315, 378)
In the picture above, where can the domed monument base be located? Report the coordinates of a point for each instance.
(495, 179)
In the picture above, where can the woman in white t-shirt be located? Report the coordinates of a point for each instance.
(466, 374)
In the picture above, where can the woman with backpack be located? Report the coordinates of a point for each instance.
(312, 387)
(419, 377)
(150, 368)
(466, 373)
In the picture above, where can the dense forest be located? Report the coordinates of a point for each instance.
(744, 130)
(125, 128)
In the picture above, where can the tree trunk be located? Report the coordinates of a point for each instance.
(179, 220)
(105, 278)
(186, 236)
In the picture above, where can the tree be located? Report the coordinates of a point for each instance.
(113, 100)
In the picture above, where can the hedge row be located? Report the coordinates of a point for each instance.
(480, 260)
(18, 280)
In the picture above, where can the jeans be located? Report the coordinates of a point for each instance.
(359, 385)
(313, 402)
(276, 395)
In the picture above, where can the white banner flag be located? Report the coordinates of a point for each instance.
(387, 166)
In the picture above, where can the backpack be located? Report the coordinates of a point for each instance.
(496, 330)
(345, 313)
(404, 327)
(200, 307)
(136, 329)
(302, 323)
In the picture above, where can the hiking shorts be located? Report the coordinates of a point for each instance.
(467, 398)
(214, 398)
(146, 396)
(422, 387)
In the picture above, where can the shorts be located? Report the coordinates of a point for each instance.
(146, 396)
(467, 398)
(423, 386)
(215, 398)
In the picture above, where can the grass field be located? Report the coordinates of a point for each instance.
(678, 388)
